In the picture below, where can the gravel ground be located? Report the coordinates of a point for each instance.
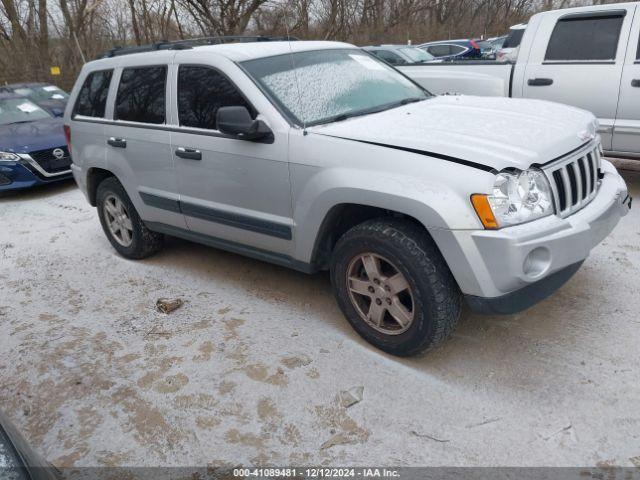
(250, 369)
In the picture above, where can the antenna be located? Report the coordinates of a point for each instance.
(293, 66)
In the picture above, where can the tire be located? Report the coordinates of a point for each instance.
(431, 297)
(143, 242)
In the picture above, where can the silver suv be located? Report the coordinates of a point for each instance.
(317, 155)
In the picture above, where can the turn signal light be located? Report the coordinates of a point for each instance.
(481, 205)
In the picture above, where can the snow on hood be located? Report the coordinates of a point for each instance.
(496, 132)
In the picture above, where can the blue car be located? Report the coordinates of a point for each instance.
(448, 50)
(33, 148)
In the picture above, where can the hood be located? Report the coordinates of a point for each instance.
(489, 131)
(30, 136)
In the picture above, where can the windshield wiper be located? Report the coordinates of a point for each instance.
(20, 121)
(344, 116)
(411, 100)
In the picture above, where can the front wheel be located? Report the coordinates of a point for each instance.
(121, 223)
(394, 287)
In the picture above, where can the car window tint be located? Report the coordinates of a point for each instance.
(514, 38)
(201, 92)
(440, 50)
(92, 99)
(141, 95)
(586, 38)
(390, 57)
(457, 49)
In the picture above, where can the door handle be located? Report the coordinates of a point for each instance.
(539, 82)
(635, 82)
(117, 142)
(189, 153)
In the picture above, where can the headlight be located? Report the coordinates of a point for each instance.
(8, 157)
(517, 197)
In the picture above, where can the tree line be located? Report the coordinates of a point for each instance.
(38, 34)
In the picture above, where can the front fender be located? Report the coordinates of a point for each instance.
(317, 191)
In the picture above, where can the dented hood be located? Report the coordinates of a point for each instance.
(488, 131)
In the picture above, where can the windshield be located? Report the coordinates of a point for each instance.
(417, 54)
(17, 110)
(328, 85)
(44, 92)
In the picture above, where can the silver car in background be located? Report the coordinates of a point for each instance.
(401, 54)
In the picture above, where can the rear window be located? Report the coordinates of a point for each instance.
(514, 38)
(586, 38)
(141, 95)
(92, 98)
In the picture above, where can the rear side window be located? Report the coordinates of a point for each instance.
(92, 99)
(201, 92)
(439, 50)
(587, 38)
(141, 95)
(456, 49)
(514, 38)
(390, 57)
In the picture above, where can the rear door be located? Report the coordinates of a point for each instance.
(139, 139)
(577, 59)
(626, 132)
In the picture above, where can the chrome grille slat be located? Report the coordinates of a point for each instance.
(581, 184)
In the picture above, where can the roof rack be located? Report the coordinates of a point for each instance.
(193, 42)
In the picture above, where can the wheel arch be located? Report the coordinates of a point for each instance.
(95, 176)
(340, 218)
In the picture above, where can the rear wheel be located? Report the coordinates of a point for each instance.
(121, 223)
(394, 287)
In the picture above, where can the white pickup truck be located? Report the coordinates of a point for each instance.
(588, 57)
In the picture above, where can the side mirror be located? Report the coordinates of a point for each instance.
(237, 121)
(57, 112)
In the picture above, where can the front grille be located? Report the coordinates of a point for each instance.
(49, 163)
(574, 181)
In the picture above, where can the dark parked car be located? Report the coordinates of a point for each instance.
(51, 98)
(33, 148)
(18, 461)
(456, 49)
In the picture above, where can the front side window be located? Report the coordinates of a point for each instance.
(201, 92)
(141, 95)
(92, 99)
(20, 110)
(586, 38)
(327, 85)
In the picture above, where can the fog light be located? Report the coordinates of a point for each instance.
(537, 262)
(4, 180)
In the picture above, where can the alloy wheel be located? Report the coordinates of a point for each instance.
(380, 293)
(118, 220)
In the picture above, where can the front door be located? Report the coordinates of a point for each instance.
(626, 131)
(581, 62)
(231, 190)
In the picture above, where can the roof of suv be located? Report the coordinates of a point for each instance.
(239, 52)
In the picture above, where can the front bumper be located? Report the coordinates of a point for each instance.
(536, 258)
(22, 174)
